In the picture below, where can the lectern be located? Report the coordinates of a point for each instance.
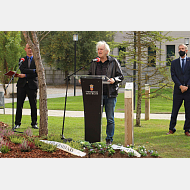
(92, 89)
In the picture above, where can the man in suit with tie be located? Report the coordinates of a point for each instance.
(180, 73)
(27, 85)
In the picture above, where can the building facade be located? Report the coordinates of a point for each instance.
(169, 49)
(169, 52)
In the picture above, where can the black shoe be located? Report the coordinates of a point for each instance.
(15, 127)
(108, 142)
(34, 127)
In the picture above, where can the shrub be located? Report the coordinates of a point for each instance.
(122, 152)
(26, 146)
(91, 151)
(75, 145)
(142, 150)
(16, 139)
(111, 151)
(4, 147)
(5, 131)
(102, 151)
(28, 132)
(153, 153)
(48, 147)
(131, 154)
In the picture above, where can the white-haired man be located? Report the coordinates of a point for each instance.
(110, 67)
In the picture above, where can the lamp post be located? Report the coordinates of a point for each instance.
(75, 39)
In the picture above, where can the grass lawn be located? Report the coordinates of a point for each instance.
(152, 135)
(157, 105)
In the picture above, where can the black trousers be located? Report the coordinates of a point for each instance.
(21, 95)
(177, 102)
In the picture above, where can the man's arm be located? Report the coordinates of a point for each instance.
(173, 75)
(118, 72)
(175, 79)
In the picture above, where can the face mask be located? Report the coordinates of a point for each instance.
(181, 53)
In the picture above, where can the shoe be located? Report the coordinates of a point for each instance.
(15, 127)
(108, 142)
(34, 127)
(187, 133)
(170, 132)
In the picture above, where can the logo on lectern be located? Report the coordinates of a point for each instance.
(91, 92)
(91, 87)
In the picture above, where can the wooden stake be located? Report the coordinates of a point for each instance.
(128, 97)
(147, 102)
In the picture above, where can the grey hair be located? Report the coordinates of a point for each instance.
(100, 43)
(186, 48)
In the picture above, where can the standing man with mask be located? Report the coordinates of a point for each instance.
(180, 73)
(27, 85)
(110, 67)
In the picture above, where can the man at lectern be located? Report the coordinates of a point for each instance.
(110, 67)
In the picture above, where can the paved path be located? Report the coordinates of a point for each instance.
(59, 113)
(60, 92)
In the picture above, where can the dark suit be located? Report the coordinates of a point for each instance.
(180, 78)
(27, 86)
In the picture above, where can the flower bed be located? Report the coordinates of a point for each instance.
(13, 145)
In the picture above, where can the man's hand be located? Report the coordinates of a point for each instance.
(183, 88)
(21, 75)
(111, 80)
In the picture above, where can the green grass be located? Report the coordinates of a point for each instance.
(75, 103)
(152, 134)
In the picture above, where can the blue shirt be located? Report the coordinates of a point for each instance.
(184, 61)
(31, 61)
(30, 57)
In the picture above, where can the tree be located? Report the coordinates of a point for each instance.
(58, 48)
(35, 46)
(142, 47)
(10, 52)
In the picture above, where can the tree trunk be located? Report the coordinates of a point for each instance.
(66, 74)
(138, 113)
(43, 129)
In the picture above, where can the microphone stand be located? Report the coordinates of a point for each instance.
(12, 79)
(68, 79)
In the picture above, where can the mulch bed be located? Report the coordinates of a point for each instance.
(36, 152)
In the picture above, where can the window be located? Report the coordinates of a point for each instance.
(170, 54)
(121, 58)
(151, 57)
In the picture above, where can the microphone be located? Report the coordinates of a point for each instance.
(97, 59)
(21, 60)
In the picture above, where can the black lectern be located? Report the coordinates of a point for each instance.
(92, 88)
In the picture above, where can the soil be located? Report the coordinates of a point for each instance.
(35, 152)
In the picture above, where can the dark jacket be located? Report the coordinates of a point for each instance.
(31, 75)
(178, 76)
(114, 71)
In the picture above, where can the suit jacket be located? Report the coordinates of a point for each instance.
(31, 75)
(178, 76)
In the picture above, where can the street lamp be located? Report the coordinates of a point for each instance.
(186, 41)
(75, 39)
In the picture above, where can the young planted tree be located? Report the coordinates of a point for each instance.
(143, 62)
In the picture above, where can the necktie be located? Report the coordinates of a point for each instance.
(183, 65)
(29, 62)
